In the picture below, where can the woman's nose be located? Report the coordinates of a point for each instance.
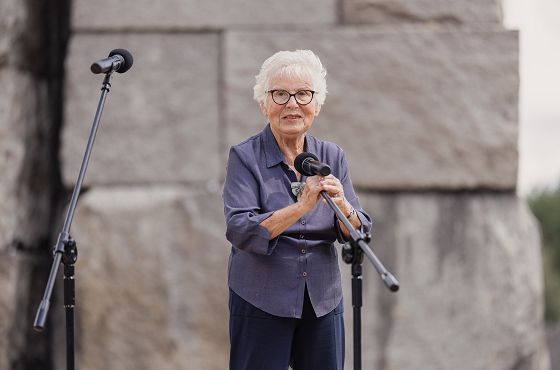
(292, 102)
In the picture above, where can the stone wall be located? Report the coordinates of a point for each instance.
(422, 97)
(31, 52)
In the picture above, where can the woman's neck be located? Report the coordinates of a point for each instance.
(290, 146)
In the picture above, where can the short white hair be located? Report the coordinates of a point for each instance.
(302, 64)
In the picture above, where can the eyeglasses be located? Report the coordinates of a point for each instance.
(281, 97)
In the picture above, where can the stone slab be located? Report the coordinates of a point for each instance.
(12, 20)
(422, 11)
(161, 118)
(414, 107)
(8, 284)
(470, 272)
(553, 339)
(466, 302)
(193, 14)
(153, 272)
(17, 109)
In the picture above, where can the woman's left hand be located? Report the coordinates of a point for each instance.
(336, 191)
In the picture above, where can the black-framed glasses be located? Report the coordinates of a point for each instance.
(281, 97)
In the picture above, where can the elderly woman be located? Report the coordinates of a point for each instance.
(285, 290)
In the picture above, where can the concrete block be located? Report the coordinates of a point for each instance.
(414, 108)
(193, 14)
(161, 121)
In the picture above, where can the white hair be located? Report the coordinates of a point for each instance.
(301, 64)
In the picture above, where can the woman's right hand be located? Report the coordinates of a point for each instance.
(311, 192)
(283, 218)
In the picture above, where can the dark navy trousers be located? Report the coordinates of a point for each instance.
(260, 341)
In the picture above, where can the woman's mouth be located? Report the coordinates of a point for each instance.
(292, 116)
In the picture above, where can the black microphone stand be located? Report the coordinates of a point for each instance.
(65, 248)
(353, 252)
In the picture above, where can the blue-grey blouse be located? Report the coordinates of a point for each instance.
(272, 274)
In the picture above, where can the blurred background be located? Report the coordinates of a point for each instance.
(539, 165)
(446, 111)
(539, 110)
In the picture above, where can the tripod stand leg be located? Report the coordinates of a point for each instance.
(68, 259)
(357, 305)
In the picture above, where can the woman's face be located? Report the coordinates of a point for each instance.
(290, 120)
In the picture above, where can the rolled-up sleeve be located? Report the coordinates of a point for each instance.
(243, 209)
(352, 198)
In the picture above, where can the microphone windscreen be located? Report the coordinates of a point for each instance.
(128, 60)
(298, 162)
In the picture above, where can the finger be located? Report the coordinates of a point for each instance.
(332, 178)
(333, 182)
(328, 184)
(334, 188)
(331, 189)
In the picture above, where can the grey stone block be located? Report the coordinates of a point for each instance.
(16, 110)
(193, 14)
(12, 15)
(160, 122)
(8, 284)
(471, 294)
(153, 291)
(414, 107)
(414, 11)
(153, 265)
(553, 340)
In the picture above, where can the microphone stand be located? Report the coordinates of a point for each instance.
(65, 248)
(353, 253)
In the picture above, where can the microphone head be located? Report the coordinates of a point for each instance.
(128, 60)
(298, 162)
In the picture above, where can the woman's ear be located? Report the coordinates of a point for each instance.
(317, 109)
(263, 109)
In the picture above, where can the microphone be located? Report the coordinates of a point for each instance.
(119, 60)
(308, 164)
